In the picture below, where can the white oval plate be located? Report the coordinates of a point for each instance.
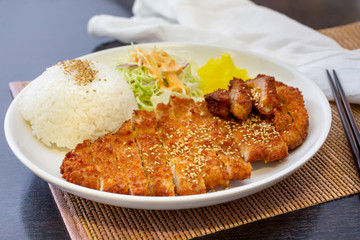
(45, 162)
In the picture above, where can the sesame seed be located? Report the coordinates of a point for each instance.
(82, 70)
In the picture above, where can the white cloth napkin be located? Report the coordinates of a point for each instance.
(239, 24)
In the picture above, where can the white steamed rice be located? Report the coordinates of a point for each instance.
(63, 113)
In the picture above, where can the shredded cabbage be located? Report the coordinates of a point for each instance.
(146, 88)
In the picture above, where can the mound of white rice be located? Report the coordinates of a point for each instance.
(63, 112)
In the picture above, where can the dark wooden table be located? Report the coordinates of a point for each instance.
(37, 34)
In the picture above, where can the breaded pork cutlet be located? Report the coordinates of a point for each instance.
(104, 152)
(291, 120)
(111, 163)
(182, 148)
(236, 101)
(198, 145)
(129, 160)
(219, 136)
(174, 136)
(258, 139)
(241, 103)
(125, 171)
(79, 168)
(218, 102)
(264, 94)
(153, 155)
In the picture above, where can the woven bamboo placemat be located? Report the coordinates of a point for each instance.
(329, 175)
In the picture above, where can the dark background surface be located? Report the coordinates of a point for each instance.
(37, 34)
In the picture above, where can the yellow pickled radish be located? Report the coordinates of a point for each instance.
(217, 73)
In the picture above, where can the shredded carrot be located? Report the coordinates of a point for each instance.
(162, 67)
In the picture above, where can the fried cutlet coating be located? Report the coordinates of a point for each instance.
(111, 163)
(179, 149)
(291, 119)
(219, 102)
(236, 101)
(264, 94)
(182, 148)
(241, 104)
(198, 147)
(187, 175)
(219, 135)
(130, 162)
(239, 100)
(259, 140)
(104, 153)
(292, 97)
(78, 167)
(284, 124)
(153, 155)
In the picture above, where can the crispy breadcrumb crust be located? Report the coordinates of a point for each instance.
(182, 148)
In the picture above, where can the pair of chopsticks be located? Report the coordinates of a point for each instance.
(351, 130)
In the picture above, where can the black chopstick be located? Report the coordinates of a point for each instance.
(351, 130)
